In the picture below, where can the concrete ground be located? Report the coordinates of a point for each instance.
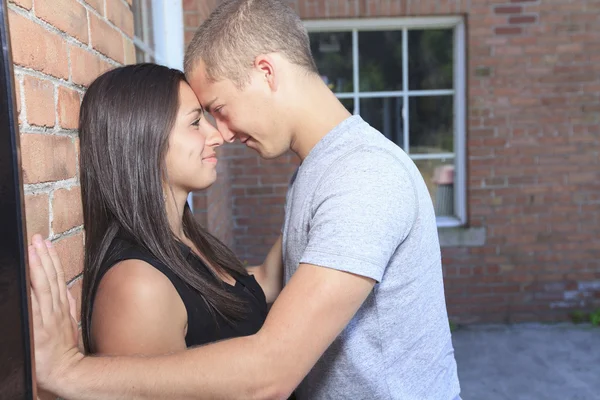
(528, 362)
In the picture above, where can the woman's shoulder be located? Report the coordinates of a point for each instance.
(134, 297)
(135, 277)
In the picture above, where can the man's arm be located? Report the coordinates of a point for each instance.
(269, 275)
(311, 311)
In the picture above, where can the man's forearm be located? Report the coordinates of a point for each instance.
(232, 369)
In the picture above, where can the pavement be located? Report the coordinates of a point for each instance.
(528, 362)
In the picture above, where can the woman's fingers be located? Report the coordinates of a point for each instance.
(60, 273)
(50, 270)
(40, 285)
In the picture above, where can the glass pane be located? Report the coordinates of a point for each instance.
(380, 61)
(140, 56)
(430, 61)
(138, 18)
(431, 124)
(332, 52)
(439, 178)
(385, 115)
(349, 104)
(149, 27)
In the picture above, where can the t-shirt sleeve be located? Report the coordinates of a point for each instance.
(363, 209)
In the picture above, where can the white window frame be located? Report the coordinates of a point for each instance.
(459, 91)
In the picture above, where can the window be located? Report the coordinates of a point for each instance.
(143, 31)
(405, 77)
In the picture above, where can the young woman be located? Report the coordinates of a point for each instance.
(154, 280)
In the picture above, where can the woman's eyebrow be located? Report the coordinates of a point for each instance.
(198, 110)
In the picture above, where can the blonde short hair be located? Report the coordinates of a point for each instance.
(237, 31)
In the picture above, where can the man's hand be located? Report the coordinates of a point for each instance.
(53, 314)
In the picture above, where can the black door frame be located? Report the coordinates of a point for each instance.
(16, 356)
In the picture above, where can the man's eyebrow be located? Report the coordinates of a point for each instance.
(209, 104)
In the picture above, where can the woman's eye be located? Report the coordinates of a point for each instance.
(196, 122)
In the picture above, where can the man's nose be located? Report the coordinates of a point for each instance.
(228, 136)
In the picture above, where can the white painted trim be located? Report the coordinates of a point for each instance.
(460, 118)
(331, 25)
(168, 32)
(396, 93)
(355, 71)
(448, 222)
(143, 46)
(433, 156)
(405, 113)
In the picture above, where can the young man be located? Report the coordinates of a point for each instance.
(362, 314)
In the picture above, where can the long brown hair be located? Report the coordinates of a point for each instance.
(124, 124)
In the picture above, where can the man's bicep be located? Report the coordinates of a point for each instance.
(357, 228)
(311, 311)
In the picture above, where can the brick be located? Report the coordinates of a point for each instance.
(522, 19)
(47, 158)
(191, 20)
(121, 15)
(44, 395)
(18, 97)
(67, 212)
(106, 39)
(188, 36)
(190, 5)
(26, 4)
(85, 66)
(69, 102)
(37, 215)
(129, 52)
(36, 48)
(70, 252)
(39, 101)
(67, 15)
(98, 5)
(508, 30)
(508, 9)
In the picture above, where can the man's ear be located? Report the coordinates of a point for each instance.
(267, 67)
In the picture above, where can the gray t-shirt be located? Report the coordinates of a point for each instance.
(358, 204)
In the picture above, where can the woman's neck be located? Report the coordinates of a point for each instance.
(175, 204)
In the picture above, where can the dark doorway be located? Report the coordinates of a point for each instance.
(16, 380)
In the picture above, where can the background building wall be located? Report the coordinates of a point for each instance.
(533, 79)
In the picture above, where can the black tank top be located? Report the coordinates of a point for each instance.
(203, 326)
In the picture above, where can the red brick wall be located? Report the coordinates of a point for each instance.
(533, 168)
(58, 47)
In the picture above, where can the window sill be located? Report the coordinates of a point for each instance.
(459, 236)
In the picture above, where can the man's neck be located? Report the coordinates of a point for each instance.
(317, 116)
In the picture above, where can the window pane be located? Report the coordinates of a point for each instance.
(439, 178)
(430, 61)
(349, 104)
(332, 52)
(380, 61)
(149, 27)
(140, 56)
(431, 124)
(138, 19)
(385, 115)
